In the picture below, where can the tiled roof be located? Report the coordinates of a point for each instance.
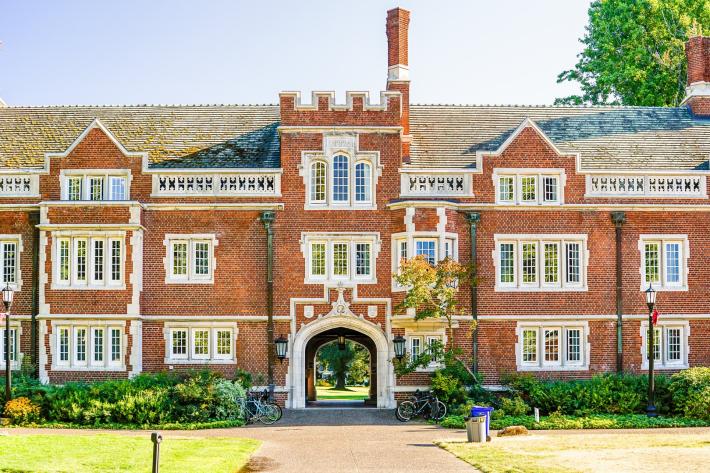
(219, 136)
(605, 137)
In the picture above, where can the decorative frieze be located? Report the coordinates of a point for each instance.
(217, 184)
(19, 185)
(435, 184)
(648, 185)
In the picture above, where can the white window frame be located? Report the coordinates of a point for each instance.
(562, 364)
(424, 337)
(368, 183)
(664, 363)
(17, 241)
(90, 283)
(561, 240)
(683, 258)
(330, 240)
(539, 175)
(86, 175)
(192, 240)
(191, 328)
(90, 364)
(15, 328)
(410, 238)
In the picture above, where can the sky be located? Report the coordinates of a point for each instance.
(76, 52)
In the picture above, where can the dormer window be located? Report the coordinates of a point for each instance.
(529, 186)
(109, 185)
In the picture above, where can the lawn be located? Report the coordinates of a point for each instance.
(121, 453)
(560, 451)
(351, 393)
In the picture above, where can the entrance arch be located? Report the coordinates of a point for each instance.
(385, 371)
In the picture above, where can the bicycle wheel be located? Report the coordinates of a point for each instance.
(269, 414)
(438, 411)
(278, 409)
(405, 411)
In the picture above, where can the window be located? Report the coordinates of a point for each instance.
(95, 185)
(415, 347)
(554, 347)
(528, 186)
(664, 262)
(540, 262)
(420, 344)
(340, 257)
(14, 355)
(117, 188)
(362, 182)
(190, 258)
(426, 248)
(318, 178)
(431, 341)
(670, 345)
(200, 344)
(88, 346)
(341, 181)
(8, 262)
(402, 256)
(83, 262)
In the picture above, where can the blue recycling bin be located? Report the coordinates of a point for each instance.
(478, 411)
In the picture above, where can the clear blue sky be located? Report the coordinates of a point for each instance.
(209, 51)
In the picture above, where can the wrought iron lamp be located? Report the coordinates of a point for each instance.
(281, 348)
(651, 342)
(8, 295)
(399, 346)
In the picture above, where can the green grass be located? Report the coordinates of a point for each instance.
(121, 453)
(351, 393)
(555, 452)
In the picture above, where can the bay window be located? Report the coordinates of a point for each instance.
(87, 345)
(664, 260)
(200, 343)
(93, 261)
(540, 262)
(190, 259)
(552, 346)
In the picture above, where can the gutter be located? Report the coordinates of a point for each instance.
(267, 218)
(473, 219)
(619, 218)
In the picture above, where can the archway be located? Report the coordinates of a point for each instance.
(354, 344)
(381, 367)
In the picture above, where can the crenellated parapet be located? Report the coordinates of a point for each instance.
(357, 110)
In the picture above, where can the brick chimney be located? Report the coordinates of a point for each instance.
(398, 66)
(697, 93)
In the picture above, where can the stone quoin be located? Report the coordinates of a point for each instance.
(139, 238)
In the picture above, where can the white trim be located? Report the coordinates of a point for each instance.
(190, 240)
(388, 129)
(562, 364)
(684, 258)
(539, 174)
(332, 238)
(18, 182)
(697, 89)
(86, 175)
(89, 283)
(72, 324)
(664, 324)
(191, 358)
(245, 206)
(19, 248)
(96, 123)
(367, 105)
(629, 207)
(19, 354)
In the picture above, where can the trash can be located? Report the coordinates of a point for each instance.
(478, 411)
(476, 429)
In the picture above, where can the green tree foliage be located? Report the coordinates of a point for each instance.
(634, 52)
(353, 360)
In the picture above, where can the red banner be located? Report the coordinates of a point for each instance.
(654, 317)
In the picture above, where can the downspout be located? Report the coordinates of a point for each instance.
(473, 218)
(619, 218)
(267, 218)
(34, 328)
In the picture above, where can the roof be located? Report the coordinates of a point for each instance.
(210, 136)
(448, 136)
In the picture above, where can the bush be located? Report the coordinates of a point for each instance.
(514, 407)
(690, 391)
(21, 410)
(558, 421)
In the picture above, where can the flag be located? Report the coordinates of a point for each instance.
(654, 317)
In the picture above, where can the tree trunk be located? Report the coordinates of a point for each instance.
(340, 383)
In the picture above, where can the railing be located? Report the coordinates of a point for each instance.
(649, 185)
(15, 185)
(218, 184)
(435, 184)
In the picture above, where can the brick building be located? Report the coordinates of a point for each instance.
(151, 238)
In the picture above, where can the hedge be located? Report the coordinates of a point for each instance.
(595, 421)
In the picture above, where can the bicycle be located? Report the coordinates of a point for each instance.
(259, 408)
(421, 404)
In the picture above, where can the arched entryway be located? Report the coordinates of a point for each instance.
(330, 338)
(362, 331)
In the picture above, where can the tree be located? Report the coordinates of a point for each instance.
(359, 369)
(634, 52)
(337, 360)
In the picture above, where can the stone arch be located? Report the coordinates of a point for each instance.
(297, 365)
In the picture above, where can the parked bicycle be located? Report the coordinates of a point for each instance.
(421, 404)
(260, 409)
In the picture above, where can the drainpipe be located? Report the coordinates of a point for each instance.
(473, 218)
(619, 218)
(34, 329)
(267, 218)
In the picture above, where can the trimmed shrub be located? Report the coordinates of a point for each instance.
(690, 391)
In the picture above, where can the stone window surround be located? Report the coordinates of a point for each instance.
(585, 345)
(190, 238)
(88, 234)
(17, 362)
(89, 324)
(212, 326)
(17, 239)
(684, 259)
(663, 364)
(352, 238)
(424, 336)
(538, 173)
(85, 174)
